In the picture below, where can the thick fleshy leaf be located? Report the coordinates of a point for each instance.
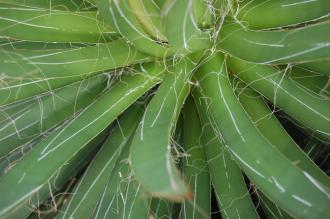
(291, 188)
(315, 82)
(22, 23)
(195, 168)
(52, 153)
(161, 208)
(11, 110)
(230, 188)
(202, 11)
(268, 125)
(89, 188)
(55, 183)
(271, 210)
(47, 111)
(320, 66)
(298, 45)
(151, 145)
(120, 15)
(123, 196)
(16, 45)
(49, 4)
(313, 110)
(150, 16)
(181, 28)
(28, 73)
(260, 14)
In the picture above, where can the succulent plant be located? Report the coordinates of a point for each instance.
(164, 109)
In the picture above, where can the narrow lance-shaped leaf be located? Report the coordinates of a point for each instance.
(47, 111)
(89, 188)
(291, 188)
(195, 166)
(315, 82)
(270, 127)
(134, 201)
(231, 192)
(266, 122)
(10, 159)
(120, 15)
(161, 208)
(150, 17)
(49, 155)
(202, 13)
(16, 45)
(28, 73)
(313, 110)
(272, 211)
(260, 14)
(49, 4)
(53, 26)
(151, 146)
(319, 66)
(123, 196)
(63, 175)
(302, 44)
(181, 28)
(312, 148)
(10, 110)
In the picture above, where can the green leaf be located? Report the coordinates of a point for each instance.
(47, 157)
(47, 111)
(195, 167)
(89, 188)
(149, 15)
(278, 88)
(161, 208)
(55, 183)
(268, 125)
(321, 66)
(28, 73)
(151, 145)
(315, 82)
(202, 13)
(48, 4)
(123, 196)
(53, 26)
(271, 210)
(16, 45)
(10, 110)
(260, 14)
(120, 15)
(303, 44)
(181, 29)
(230, 189)
(293, 189)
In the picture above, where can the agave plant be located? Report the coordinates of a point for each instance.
(164, 109)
